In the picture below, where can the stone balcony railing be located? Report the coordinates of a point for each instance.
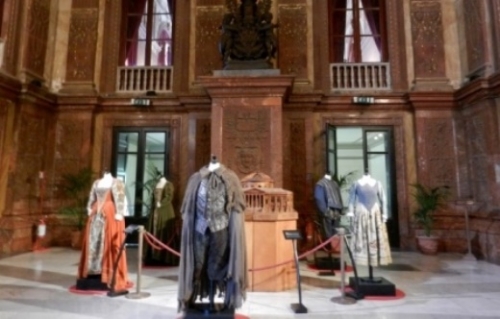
(142, 79)
(360, 76)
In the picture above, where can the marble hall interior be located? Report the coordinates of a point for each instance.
(407, 91)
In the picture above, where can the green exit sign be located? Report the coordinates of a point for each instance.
(140, 102)
(363, 100)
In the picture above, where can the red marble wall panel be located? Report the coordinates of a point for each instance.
(474, 22)
(438, 160)
(207, 56)
(31, 150)
(482, 146)
(3, 125)
(203, 139)
(10, 28)
(72, 144)
(111, 47)
(295, 169)
(37, 36)
(82, 44)
(427, 34)
(246, 139)
(496, 31)
(292, 40)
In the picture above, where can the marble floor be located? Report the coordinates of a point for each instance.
(35, 285)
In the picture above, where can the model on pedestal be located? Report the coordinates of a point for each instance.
(161, 224)
(103, 237)
(213, 252)
(369, 241)
(329, 204)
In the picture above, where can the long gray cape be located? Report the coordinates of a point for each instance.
(235, 206)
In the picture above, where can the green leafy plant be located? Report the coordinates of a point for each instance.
(428, 200)
(149, 186)
(344, 180)
(76, 188)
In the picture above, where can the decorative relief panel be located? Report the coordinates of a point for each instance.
(427, 33)
(438, 137)
(82, 44)
(69, 141)
(474, 31)
(37, 34)
(203, 139)
(478, 129)
(207, 56)
(292, 42)
(30, 155)
(247, 140)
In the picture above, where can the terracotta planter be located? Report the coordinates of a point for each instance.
(76, 239)
(428, 245)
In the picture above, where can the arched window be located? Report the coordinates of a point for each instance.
(357, 31)
(148, 33)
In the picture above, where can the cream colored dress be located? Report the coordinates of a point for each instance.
(369, 238)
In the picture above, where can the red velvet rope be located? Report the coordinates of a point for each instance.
(157, 244)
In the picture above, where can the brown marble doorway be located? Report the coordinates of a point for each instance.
(353, 150)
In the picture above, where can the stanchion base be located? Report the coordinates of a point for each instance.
(378, 286)
(354, 295)
(201, 310)
(298, 308)
(117, 293)
(343, 300)
(138, 295)
(91, 282)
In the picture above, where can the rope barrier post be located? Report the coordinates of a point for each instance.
(343, 300)
(138, 294)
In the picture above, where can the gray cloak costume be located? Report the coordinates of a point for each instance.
(236, 278)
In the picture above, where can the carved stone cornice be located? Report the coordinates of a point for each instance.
(432, 100)
(228, 86)
(472, 92)
(10, 87)
(383, 102)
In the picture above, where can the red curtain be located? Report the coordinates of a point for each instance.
(136, 9)
(337, 29)
(373, 17)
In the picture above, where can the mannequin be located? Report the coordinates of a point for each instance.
(213, 252)
(104, 233)
(161, 223)
(368, 206)
(329, 204)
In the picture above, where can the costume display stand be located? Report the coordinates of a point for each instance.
(94, 281)
(212, 244)
(329, 206)
(367, 201)
(295, 235)
(372, 286)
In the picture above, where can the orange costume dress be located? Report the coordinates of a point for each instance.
(104, 234)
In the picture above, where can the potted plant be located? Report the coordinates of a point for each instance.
(76, 188)
(428, 201)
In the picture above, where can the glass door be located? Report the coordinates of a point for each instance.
(352, 151)
(140, 157)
